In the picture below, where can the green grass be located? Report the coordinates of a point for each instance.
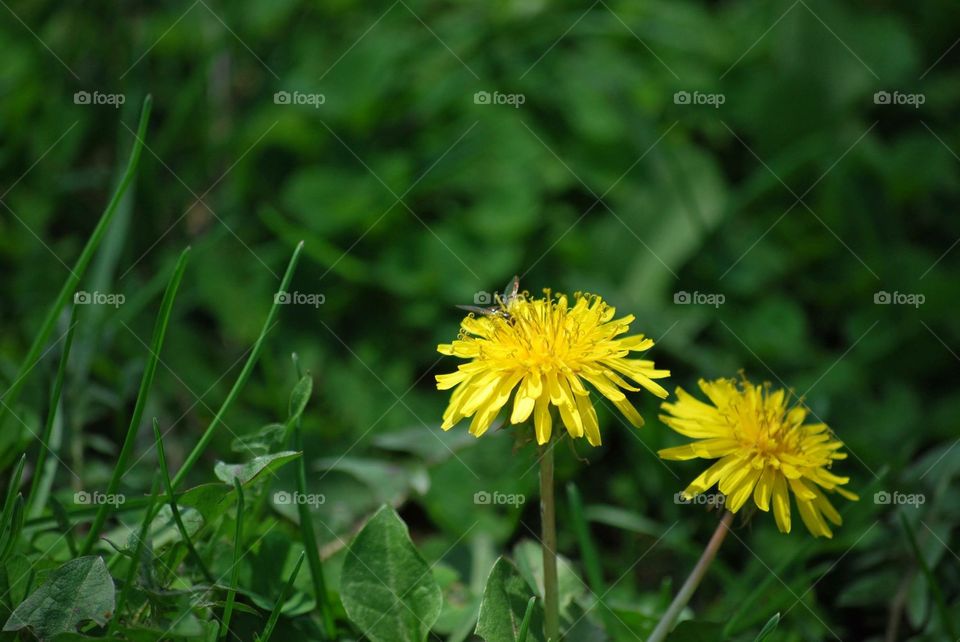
(600, 182)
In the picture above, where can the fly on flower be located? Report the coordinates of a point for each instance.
(543, 353)
(500, 309)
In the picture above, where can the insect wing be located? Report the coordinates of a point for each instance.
(480, 310)
(513, 288)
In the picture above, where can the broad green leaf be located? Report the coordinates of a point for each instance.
(248, 471)
(386, 586)
(444, 444)
(388, 481)
(455, 499)
(504, 604)
(76, 592)
(260, 442)
(529, 558)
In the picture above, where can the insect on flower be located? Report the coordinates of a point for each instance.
(503, 301)
(543, 352)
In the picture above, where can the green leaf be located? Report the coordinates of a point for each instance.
(388, 481)
(386, 586)
(164, 529)
(260, 442)
(504, 606)
(80, 590)
(248, 471)
(299, 397)
(529, 559)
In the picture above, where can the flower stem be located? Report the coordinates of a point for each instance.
(693, 581)
(548, 528)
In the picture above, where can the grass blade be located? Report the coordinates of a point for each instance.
(13, 531)
(174, 509)
(309, 539)
(768, 628)
(35, 501)
(235, 567)
(525, 623)
(275, 614)
(198, 449)
(148, 516)
(12, 511)
(126, 451)
(12, 493)
(308, 536)
(9, 398)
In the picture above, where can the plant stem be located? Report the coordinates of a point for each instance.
(548, 528)
(126, 451)
(10, 397)
(693, 581)
(201, 444)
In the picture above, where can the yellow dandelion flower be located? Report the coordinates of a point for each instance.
(764, 449)
(546, 350)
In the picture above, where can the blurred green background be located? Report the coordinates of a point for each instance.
(603, 162)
